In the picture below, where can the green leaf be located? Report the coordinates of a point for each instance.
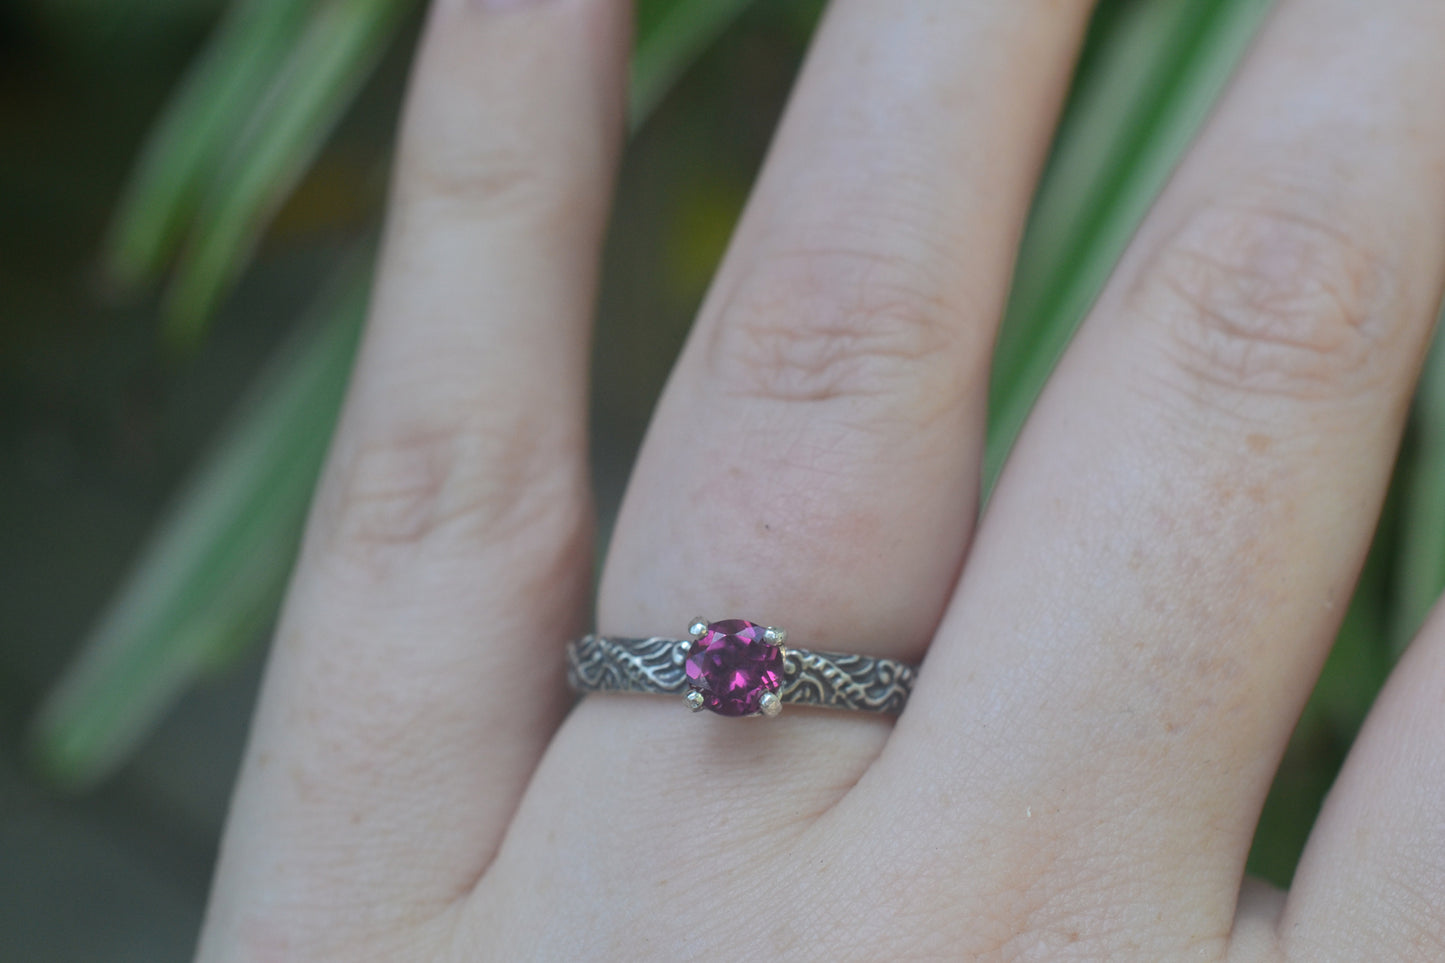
(327, 66)
(1420, 573)
(203, 119)
(1148, 77)
(670, 37)
(217, 564)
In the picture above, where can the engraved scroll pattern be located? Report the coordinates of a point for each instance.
(598, 664)
(846, 681)
(833, 680)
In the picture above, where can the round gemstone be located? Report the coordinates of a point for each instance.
(733, 666)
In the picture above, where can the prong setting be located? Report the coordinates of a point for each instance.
(680, 651)
(730, 666)
(770, 705)
(774, 635)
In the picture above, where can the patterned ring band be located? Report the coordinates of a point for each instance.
(738, 668)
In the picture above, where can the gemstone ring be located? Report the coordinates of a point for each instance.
(738, 668)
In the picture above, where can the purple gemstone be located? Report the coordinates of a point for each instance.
(732, 666)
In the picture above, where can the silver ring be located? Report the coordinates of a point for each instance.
(738, 668)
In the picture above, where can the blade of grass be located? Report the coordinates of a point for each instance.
(1420, 564)
(202, 120)
(217, 564)
(670, 38)
(326, 68)
(214, 573)
(1148, 79)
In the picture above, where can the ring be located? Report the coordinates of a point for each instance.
(738, 668)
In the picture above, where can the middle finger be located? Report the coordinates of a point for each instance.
(1171, 547)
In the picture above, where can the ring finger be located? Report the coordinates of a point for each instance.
(814, 461)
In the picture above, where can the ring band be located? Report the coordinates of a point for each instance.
(738, 668)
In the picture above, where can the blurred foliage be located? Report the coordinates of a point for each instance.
(197, 132)
(1422, 525)
(268, 89)
(211, 579)
(243, 130)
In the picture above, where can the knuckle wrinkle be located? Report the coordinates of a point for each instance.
(823, 325)
(1267, 300)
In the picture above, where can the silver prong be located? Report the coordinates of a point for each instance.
(697, 627)
(694, 700)
(774, 635)
(770, 704)
(680, 651)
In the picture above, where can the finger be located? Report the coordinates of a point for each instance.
(829, 403)
(416, 673)
(1170, 549)
(1369, 884)
(813, 462)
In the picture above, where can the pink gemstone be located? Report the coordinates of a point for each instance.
(732, 667)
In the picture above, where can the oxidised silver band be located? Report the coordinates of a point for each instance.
(655, 666)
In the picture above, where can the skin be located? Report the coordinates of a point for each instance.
(1113, 655)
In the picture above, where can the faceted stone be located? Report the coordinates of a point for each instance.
(732, 666)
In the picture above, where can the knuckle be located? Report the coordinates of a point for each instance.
(823, 325)
(1271, 299)
(463, 483)
(503, 179)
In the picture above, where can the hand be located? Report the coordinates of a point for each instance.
(1115, 658)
